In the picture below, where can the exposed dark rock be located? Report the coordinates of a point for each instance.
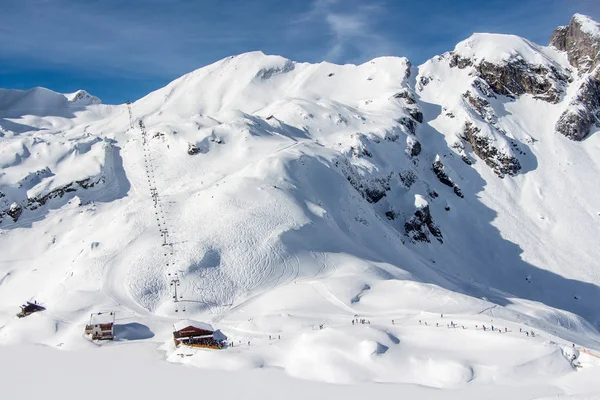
(409, 123)
(466, 160)
(407, 178)
(406, 95)
(433, 194)
(372, 189)
(516, 77)
(35, 202)
(438, 170)
(360, 151)
(483, 108)
(413, 147)
(421, 225)
(484, 88)
(267, 73)
(460, 62)
(582, 48)
(416, 114)
(583, 111)
(423, 81)
(192, 149)
(501, 163)
(14, 211)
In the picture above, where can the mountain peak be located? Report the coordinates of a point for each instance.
(587, 24)
(580, 40)
(82, 98)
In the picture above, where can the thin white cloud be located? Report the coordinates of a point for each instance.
(351, 29)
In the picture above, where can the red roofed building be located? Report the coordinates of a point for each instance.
(195, 334)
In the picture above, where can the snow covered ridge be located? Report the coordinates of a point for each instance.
(291, 199)
(41, 101)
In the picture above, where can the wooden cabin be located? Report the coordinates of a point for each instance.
(195, 334)
(30, 308)
(101, 326)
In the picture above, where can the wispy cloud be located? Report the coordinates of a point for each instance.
(350, 29)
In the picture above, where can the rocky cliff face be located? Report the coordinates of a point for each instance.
(581, 41)
(516, 77)
(584, 110)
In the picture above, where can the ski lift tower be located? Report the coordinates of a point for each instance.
(174, 284)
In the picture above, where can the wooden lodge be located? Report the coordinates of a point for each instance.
(30, 308)
(101, 326)
(195, 334)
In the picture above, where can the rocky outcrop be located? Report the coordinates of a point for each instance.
(409, 124)
(267, 73)
(503, 164)
(516, 77)
(16, 209)
(192, 149)
(581, 41)
(413, 147)
(406, 95)
(371, 189)
(438, 169)
(584, 110)
(408, 178)
(421, 225)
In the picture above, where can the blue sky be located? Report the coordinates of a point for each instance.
(121, 50)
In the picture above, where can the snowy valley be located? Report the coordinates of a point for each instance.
(340, 224)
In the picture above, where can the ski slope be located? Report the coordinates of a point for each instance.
(314, 198)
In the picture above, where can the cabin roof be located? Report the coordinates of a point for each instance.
(102, 318)
(184, 323)
(32, 307)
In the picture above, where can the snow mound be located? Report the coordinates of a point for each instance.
(41, 102)
(500, 48)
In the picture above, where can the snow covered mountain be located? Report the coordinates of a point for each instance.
(289, 193)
